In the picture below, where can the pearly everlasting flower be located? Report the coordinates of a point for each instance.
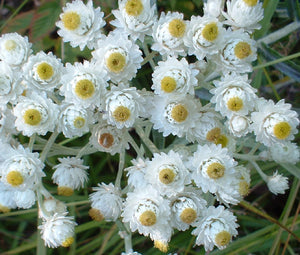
(136, 173)
(52, 206)
(174, 76)
(244, 14)
(7, 123)
(81, 24)
(69, 175)
(6, 201)
(35, 113)
(136, 17)
(123, 106)
(213, 7)
(205, 36)
(168, 34)
(233, 95)
(148, 212)
(167, 173)
(43, 71)
(238, 125)
(106, 202)
(10, 81)
(119, 56)
(14, 49)
(277, 183)
(285, 153)
(58, 230)
(274, 123)
(84, 84)
(24, 198)
(237, 52)
(216, 228)
(74, 120)
(175, 114)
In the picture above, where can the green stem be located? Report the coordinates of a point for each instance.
(247, 157)
(151, 146)
(149, 56)
(134, 145)
(261, 173)
(41, 248)
(83, 150)
(31, 141)
(48, 145)
(120, 169)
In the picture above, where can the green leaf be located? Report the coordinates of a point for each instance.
(20, 23)
(294, 170)
(293, 8)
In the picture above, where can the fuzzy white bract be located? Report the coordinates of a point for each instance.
(285, 153)
(277, 183)
(6, 203)
(238, 125)
(136, 173)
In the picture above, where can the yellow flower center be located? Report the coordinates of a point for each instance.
(95, 214)
(250, 3)
(168, 84)
(210, 32)
(222, 238)
(242, 50)
(71, 20)
(282, 130)
(134, 7)
(68, 242)
(106, 140)
(177, 28)
(10, 45)
(64, 191)
(14, 178)
(166, 176)
(163, 247)
(32, 117)
(179, 113)
(215, 170)
(116, 62)
(235, 104)
(4, 209)
(79, 122)
(213, 135)
(45, 71)
(243, 188)
(223, 140)
(147, 218)
(84, 89)
(121, 113)
(188, 215)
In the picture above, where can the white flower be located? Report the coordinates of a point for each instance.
(58, 230)
(52, 206)
(43, 71)
(69, 175)
(215, 228)
(10, 81)
(136, 17)
(6, 201)
(175, 114)
(35, 113)
(233, 95)
(14, 49)
(274, 123)
(123, 106)
(146, 211)
(131, 253)
(285, 153)
(24, 198)
(174, 76)
(277, 183)
(167, 173)
(238, 125)
(244, 14)
(136, 173)
(205, 36)
(119, 56)
(213, 8)
(84, 84)
(237, 53)
(21, 168)
(74, 120)
(7, 123)
(81, 24)
(168, 34)
(106, 202)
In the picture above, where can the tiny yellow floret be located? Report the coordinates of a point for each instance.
(116, 62)
(44, 71)
(32, 117)
(14, 178)
(282, 130)
(64, 191)
(223, 140)
(188, 215)
(68, 242)
(79, 122)
(235, 104)
(179, 113)
(71, 20)
(95, 214)
(134, 7)
(215, 170)
(242, 50)
(10, 45)
(222, 238)
(213, 135)
(250, 3)
(162, 246)
(168, 84)
(177, 28)
(84, 89)
(121, 113)
(166, 176)
(244, 188)
(210, 32)
(147, 218)
(106, 140)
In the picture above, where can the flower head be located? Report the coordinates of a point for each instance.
(277, 183)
